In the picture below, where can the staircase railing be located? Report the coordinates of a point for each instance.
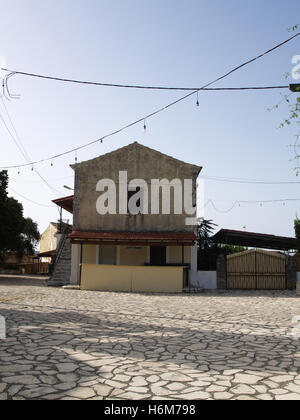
(60, 247)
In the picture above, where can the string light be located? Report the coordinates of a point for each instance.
(197, 103)
(145, 127)
(193, 92)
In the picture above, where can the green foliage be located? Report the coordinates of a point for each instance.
(16, 233)
(233, 249)
(293, 103)
(297, 232)
(204, 232)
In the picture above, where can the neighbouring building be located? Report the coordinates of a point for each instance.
(48, 241)
(123, 250)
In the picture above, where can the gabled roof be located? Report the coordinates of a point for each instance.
(138, 147)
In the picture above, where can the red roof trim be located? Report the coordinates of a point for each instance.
(59, 200)
(132, 236)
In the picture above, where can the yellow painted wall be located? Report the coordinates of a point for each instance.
(48, 239)
(89, 254)
(133, 255)
(175, 254)
(131, 278)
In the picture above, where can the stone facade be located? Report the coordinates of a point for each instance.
(140, 162)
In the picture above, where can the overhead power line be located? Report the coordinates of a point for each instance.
(28, 199)
(143, 87)
(247, 181)
(239, 202)
(143, 119)
(21, 147)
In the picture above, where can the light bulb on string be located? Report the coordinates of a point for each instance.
(32, 168)
(76, 157)
(51, 162)
(18, 171)
(197, 103)
(145, 127)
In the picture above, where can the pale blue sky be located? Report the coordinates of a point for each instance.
(158, 42)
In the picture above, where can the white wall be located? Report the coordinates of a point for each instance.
(204, 279)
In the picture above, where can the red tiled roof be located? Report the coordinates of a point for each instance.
(174, 237)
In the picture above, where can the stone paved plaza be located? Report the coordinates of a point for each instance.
(70, 344)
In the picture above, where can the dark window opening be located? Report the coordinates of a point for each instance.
(158, 255)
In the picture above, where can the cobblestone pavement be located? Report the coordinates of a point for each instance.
(69, 344)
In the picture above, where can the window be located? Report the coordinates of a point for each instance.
(108, 254)
(158, 255)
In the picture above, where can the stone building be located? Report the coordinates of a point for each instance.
(127, 234)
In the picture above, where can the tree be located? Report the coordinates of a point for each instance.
(293, 102)
(297, 232)
(30, 236)
(16, 233)
(204, 233)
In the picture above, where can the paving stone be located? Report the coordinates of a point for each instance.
(246, 379)
(175, 376)
(102, 390)
(95, 345)
(82, 393)
(242, 389)
(176, 386)
(22, 379)
(66, 367)
(222, 396)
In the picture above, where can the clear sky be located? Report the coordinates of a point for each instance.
(158, 42)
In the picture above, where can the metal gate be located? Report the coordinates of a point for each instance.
(256, 269)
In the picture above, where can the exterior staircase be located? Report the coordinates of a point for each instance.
(62, 269)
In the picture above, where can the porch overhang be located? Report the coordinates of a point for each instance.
(65, 203)
(134, 238)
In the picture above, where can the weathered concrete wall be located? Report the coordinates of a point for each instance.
(140, 163)
(221, 272)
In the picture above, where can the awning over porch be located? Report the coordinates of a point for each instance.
(135, 238)
(65, 203)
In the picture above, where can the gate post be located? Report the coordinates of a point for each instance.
(291, 272)
(221, 272)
